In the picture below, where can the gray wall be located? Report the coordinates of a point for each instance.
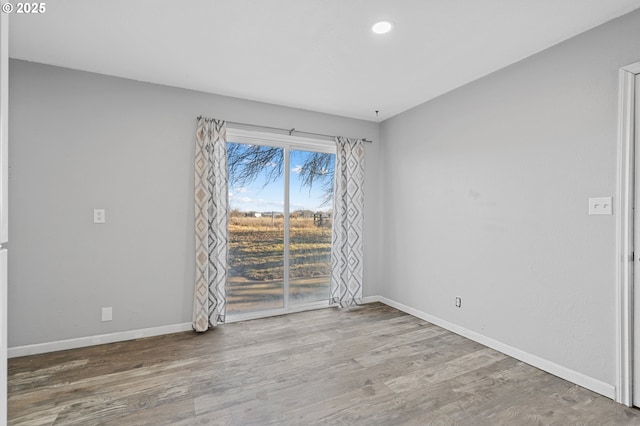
(486, 192)
(480, 193)
(81, 141)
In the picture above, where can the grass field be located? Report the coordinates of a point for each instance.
(256, 256)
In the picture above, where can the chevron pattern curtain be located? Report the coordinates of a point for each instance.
(348, 206)
(211, 213)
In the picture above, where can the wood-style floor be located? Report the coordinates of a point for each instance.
(371, 365)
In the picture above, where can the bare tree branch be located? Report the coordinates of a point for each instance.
(247, 162)
(318, 167)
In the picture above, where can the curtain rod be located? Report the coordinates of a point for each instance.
(290, 131)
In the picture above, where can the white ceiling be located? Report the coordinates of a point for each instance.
(313, 54)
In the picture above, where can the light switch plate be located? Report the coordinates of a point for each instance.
(600, 205)
(99, 216)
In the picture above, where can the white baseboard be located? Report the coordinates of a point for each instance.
(550, 367)
(81, 342)
(543, 364)
(372, 299)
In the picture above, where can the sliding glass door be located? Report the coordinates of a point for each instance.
(281, 198)
(310, 226)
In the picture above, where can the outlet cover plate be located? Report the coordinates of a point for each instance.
(600, 205)
(107, 314)
(99, 216)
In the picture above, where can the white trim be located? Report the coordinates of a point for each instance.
(625, 235)
(632, 68)
(312, 306)
(4, 211)
(280, 140)
(121, 336)
(541, 363)
(287, 143)
(3, 336)
(4, 129)
(371, 299)
(81, 342)
(286, 224)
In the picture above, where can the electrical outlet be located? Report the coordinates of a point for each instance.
(107, 314)
(600, 205)
(458, 302)
(99, 216)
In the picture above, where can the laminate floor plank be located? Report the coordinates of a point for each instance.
(366, 366)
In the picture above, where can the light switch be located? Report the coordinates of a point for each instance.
(600, 205)
(99, 216)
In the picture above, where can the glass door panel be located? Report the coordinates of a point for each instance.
(310, 220)
(256, 228)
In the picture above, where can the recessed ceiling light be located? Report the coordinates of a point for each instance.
(382, 27)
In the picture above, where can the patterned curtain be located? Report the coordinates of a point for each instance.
(348, 206)
(211, 202)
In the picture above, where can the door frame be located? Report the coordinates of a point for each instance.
(287, 143)
(4, 229)
(625, 233)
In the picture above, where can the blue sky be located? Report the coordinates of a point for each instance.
(260, 198)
